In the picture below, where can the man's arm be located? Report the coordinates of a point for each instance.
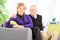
(44, 22)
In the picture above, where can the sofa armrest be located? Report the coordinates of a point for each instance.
(15, 34)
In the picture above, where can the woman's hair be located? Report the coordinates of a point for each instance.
(21, 4)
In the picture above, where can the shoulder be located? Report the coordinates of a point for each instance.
(39, 15)
(12, 18)
(27, 16)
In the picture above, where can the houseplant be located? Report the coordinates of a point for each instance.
(3, 11)
(53, 21)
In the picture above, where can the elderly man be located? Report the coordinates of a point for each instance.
(37, 22)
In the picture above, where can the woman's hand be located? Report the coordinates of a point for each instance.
(18, 26)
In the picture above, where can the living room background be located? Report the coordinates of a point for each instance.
(47, 8)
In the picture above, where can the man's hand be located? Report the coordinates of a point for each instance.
(14, 15)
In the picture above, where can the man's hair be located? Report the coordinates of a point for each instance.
(34, 6)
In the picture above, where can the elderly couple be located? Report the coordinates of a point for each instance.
(32, 21)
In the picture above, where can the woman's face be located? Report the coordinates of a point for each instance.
(21, 10)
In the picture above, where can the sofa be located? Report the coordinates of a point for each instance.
(15, 33)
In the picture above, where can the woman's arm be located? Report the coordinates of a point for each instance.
(30, 24)
(7, 24)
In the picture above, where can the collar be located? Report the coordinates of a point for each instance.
(35, 16)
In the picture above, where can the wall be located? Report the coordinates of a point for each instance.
(47, 8)
(11, 5)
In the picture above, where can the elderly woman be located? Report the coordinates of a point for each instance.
(22, 20)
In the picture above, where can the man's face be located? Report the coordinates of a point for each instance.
(33, 10)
